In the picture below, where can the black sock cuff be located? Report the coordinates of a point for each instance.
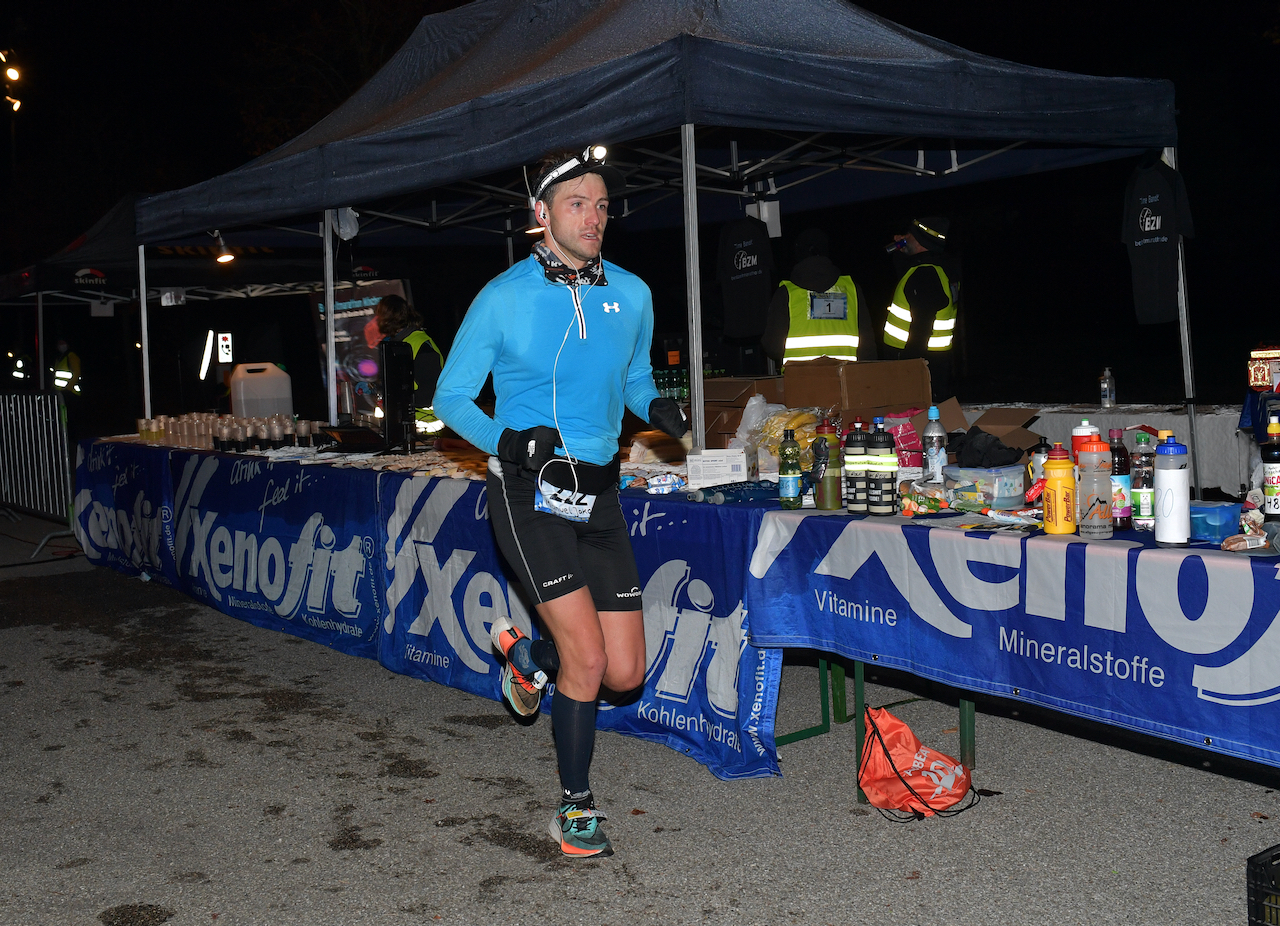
(545, 656)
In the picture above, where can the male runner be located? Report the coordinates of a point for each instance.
(566, 336)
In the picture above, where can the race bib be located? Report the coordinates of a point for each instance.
(570, 504)
(833, 305)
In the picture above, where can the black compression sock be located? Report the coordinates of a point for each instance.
(544, 655)
(574, 723)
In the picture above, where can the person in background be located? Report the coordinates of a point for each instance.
(921, 320)
(397, 319)
(66, 368)
(66, 380)
(566, 336)
(819, 311)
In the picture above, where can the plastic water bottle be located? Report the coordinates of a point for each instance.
(935, 447)
(882, 472)
(1095, 490)
(1142, 475)
(789, 471)
(828, 462)
(1107, 386)
(855, 470)
(1121, 482)
(1173, 494)
(1059, 492)
(1081, 433)
(1271, 470)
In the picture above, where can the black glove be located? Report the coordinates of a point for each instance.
(666, 415)
(529, 449)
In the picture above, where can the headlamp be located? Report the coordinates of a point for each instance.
(591, 156)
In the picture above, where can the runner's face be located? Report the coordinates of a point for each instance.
(577, 218)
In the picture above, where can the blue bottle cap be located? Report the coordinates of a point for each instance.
(933, 413)
(1170, 446)
(877, 420)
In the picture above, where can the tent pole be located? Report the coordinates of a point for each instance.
(40, 336)
(693, 278)
(326, 233)
(146, 344)
(1170, 157)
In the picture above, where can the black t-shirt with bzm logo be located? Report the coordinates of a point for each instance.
(1156, 213)
(744, 268)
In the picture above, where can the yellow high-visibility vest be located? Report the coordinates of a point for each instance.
(426, 419)
(897, 324)
(808, 337)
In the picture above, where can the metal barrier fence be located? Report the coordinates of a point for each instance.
(35, 467)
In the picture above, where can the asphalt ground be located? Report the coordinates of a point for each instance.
(163, 762)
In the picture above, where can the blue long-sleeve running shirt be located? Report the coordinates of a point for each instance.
(551, 365)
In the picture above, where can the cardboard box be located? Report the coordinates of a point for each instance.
(716, 420)
(1009, 424)
(716, 467)
(949, 413)
(842, 384)
(736, 390)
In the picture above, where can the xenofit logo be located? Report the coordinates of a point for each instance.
(424, 568)
(1036, 575)
(310, 574)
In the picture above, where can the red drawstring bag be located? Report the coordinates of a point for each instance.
(899, 773)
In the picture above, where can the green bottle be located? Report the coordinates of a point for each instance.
(789, 471)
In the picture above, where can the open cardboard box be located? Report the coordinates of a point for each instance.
(1010, 425)
(834, 385)
(736, 390)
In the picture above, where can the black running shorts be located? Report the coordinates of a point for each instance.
(554, 556)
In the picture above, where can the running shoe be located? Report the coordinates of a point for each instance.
(523, 693)
(577, 830)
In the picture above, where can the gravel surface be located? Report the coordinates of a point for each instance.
(164, 763)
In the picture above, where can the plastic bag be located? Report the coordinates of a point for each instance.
(755, 411)
(899, 773)
(767, 434)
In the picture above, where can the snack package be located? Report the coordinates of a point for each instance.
(1238, 543)
(664, 484)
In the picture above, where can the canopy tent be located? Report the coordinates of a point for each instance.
(496, 83)
(819, 90)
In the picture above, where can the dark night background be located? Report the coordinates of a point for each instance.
(150, 96)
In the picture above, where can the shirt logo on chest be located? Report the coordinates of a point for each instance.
(611, 307)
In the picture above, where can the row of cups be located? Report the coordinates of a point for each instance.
(208, 431)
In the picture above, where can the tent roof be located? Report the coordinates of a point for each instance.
(494, 84)
(102, 264)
